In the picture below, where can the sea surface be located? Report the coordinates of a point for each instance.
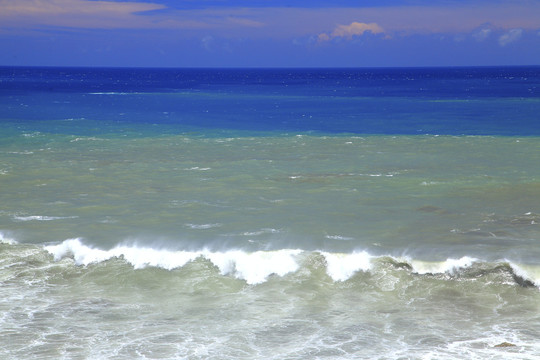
(270, 213)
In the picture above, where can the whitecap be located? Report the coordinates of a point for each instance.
(341, 267)
(25, 152)
(527, 272)
(203, 226)
(430, 183)
(31, 135)
(449, 266)
(42, 218)
(197, 168)
(138, 257)
(4, 239)
(261, 232)
(338, 237)
(86, 139)
(254, 267)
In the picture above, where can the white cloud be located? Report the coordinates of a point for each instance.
(510, 37)
(482, 34)
(207, 42)
(272, 22)
(348, 31)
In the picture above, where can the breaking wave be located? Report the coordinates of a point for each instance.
(42, 218)
(256, 267)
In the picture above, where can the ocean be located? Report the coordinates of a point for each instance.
(270, 213)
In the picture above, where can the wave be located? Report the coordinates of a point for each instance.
(86, 138)
(449, 266)
(202, 226)
(114, 93)
(5, 239)
(256, 267)
(42, 218)
(253, 267)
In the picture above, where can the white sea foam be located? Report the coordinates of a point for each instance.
(429, 183)
(139, 257)
(42, 218)
(261, 232)
(256, 267)
(202, 226)
(338, 237)
(252, 267)
(448, 266)
(25, 152)
(341, 267)
(31, 135)
(198, 168)
(86, 139)
(5, 239)
(531, 273)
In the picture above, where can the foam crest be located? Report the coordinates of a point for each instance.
(254, 267)
(257, 266)
(138, 257)
(449, 266)
(82, 254)
(143, 257)
(202, 226)
(42, 218)
(341, 267)
(4, 239)
(531, 273)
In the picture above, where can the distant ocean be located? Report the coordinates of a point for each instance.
(270, 213)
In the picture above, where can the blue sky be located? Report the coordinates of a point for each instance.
(269, 33)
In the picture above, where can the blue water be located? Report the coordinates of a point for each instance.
(269, 213)
(445, 101)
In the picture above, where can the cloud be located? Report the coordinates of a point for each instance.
(207, 42)
(510, 37)
(348, 31)
(55, 7)
(275, 21)
(110, 14)
(482, 34)
(74, 13)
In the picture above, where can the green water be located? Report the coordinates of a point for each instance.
(386, 194)
(183, 242)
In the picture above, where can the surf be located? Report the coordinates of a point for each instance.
(256, 267)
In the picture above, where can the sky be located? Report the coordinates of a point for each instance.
(269, 33)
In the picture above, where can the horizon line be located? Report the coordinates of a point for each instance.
(113, 67)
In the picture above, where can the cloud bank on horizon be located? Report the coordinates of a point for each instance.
(349, 31)
(269, 33)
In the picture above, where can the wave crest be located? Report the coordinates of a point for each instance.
(256, 267)
(5, 239)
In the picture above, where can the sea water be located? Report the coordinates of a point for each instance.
(270, 213)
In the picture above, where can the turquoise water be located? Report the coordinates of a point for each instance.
(269, 214)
